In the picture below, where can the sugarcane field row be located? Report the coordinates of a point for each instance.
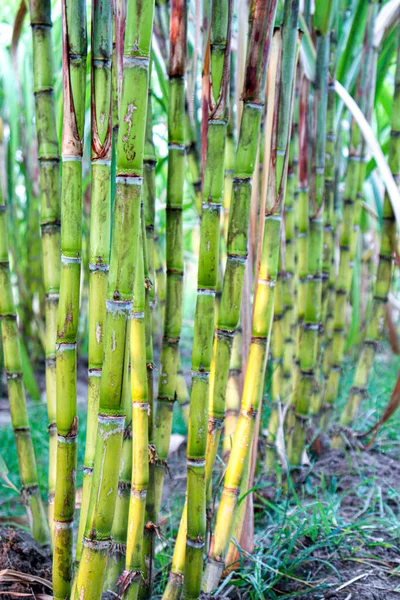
(199, 299)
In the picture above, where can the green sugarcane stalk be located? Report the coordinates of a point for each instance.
(49, 182)
(328, 262)
(161, 292)
(149, 195)
(207, 279)
(308, 344)
(130, 578)
(123, 264)
(193, 160)
(289, 277)
(117, 550)
(233, 395)
(276, 390)
(174, 243)
(351, 211)
(261, 20)
(302, 235)
(149, 199)
(330, 233)
(263, 309)
(99, 245)
(182, 393)
(74, 88)
(173, 588)
(376, 322)
(16, 391)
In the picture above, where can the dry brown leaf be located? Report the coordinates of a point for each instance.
(11, 576)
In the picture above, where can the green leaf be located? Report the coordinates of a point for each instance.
(4, 476)
(30, 382)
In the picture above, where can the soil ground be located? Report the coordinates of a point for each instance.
(360, 567)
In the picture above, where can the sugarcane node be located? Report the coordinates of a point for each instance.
(262, 341)
(13, 376)
(50, 226)
(214, 424)
(374, 344)
(52, 428)
(304, 419)
(167, 399)
(249, 413)
(235, 372)
(163, 464)
(386, 257)
(124, 488)
(8, 316)
(197, 542)
(128, 431)
(172, 271)
(29, 490)
(227, 334)
(359, 391)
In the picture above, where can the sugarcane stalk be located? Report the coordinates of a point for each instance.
(330, 233)
(123, 265)
(174, 244)
(161, 292)
(375, 326)
(149, 198)
(74, 88)
(261, 20)
(49, 182)
(16, 392)
(276, 389)
(207, 279)
(302, 235)
(149, 194)
(351, 212)
(99, 244)
(193, 159)
(289, 286)
(173, 588)
(308, 344)
(130, 578)
(117, 550)
(182, 392)
(233, 395)
(263, 308)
